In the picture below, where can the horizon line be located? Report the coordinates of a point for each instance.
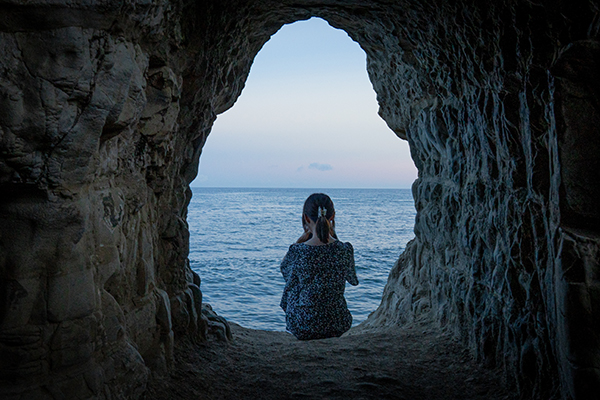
(312, 188)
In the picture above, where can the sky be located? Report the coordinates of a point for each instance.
(307, 118)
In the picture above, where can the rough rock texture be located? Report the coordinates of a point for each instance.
(105, 106)
(93, 274)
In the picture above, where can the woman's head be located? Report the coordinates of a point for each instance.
(319, 208)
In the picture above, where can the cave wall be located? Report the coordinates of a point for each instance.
(94, 281)
(501, 100)
(105, 107)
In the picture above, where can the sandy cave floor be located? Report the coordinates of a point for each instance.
(416, 362)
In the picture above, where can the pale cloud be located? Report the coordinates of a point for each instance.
(320, 167)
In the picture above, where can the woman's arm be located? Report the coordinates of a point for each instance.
(351, 271)
(286, 264)
(286, 268)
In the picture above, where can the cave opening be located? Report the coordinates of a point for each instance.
(306, 121)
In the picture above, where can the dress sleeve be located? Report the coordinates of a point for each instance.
(286, 264)
(286, 270)
(351, 272)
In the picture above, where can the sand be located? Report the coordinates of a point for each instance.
(413, 362)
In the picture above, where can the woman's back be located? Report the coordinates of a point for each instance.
(313, 298)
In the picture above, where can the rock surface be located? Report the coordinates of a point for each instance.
(105, 107)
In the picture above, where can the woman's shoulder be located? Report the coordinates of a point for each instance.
(296, 248)
(344, 245)
(346, 249)
(336, 243)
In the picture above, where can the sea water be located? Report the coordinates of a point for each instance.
(238, 238)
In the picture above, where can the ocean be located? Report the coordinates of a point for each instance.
(238, 238)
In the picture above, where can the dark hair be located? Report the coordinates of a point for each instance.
(312, 205)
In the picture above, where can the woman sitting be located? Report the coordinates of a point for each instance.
(315, 270)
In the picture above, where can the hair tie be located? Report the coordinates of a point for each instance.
(322, 212)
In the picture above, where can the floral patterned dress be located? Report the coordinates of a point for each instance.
(313, 297)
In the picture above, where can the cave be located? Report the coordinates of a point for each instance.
(105, 107)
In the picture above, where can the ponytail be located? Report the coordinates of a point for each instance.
(323, 229)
